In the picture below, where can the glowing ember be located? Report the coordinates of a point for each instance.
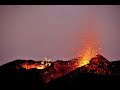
(90, 50)
(30, 66)
(87, 55)
(38, 65)
(41, 67)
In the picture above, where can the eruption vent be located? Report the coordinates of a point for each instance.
(91, 46)
(90, 50)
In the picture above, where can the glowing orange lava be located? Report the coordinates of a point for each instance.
(92, 45)
(37, 65)
(88, 52)
(30, 66)
(90, 49)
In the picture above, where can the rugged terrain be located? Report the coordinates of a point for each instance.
(59, 75)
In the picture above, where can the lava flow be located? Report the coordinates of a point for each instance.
(37, 65)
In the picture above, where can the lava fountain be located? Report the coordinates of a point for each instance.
(91, 45)
(89, 51)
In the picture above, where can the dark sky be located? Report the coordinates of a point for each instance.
(56, 32)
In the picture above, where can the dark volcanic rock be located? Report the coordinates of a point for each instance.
(60, 75)
(98, 65)
(56, 70)
(98, 73)
(115, 67)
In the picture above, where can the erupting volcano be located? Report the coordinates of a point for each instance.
(88, 53)
(48, 74)
(89, 65)
(84, 38)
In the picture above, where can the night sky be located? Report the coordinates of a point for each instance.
(56, 32)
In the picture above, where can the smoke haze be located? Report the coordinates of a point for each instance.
(56, 32)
